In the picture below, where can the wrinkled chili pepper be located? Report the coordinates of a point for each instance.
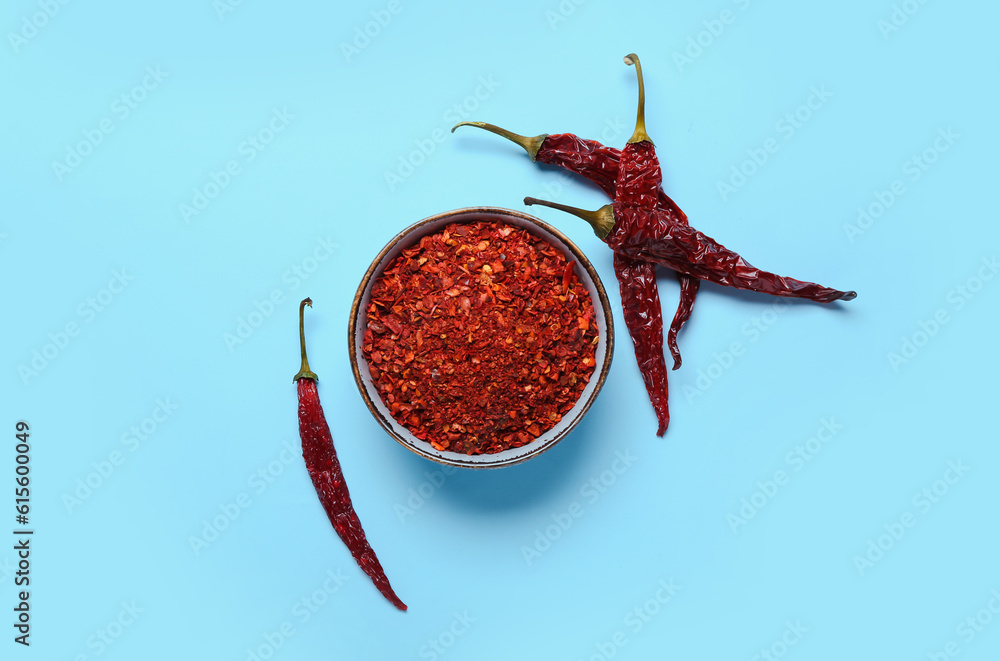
(327, 477)
(641, 309)
(687, 250)
(638, 183)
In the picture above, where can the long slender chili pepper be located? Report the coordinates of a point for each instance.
(327, 477)
(641, 309)
(600, 164)
(639, 180)
(687, 250)
(640, 184)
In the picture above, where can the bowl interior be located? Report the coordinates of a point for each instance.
(584, 270)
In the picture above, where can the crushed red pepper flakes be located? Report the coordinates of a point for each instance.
(480, 337)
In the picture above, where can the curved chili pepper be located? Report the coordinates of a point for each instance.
(641, 309)
(687, 250)
(689, 290)
(600, 164)
(327, 476)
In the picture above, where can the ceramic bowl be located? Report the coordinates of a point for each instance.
(584, 270)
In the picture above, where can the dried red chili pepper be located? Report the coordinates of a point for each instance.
(639, 180)
(480, 337)
(643, 225)
(687, 250)
(600, 164)
(641, 309)
(327, 476)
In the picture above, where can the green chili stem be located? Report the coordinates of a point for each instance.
(530, 145)
(305, 372)
(640, 134)
(602, 220)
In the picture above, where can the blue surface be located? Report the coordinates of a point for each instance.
(718, 541)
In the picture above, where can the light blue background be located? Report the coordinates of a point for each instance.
(545, 67)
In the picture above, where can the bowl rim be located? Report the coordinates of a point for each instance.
(456, 215)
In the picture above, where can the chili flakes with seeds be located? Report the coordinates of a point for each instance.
(480, 337)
